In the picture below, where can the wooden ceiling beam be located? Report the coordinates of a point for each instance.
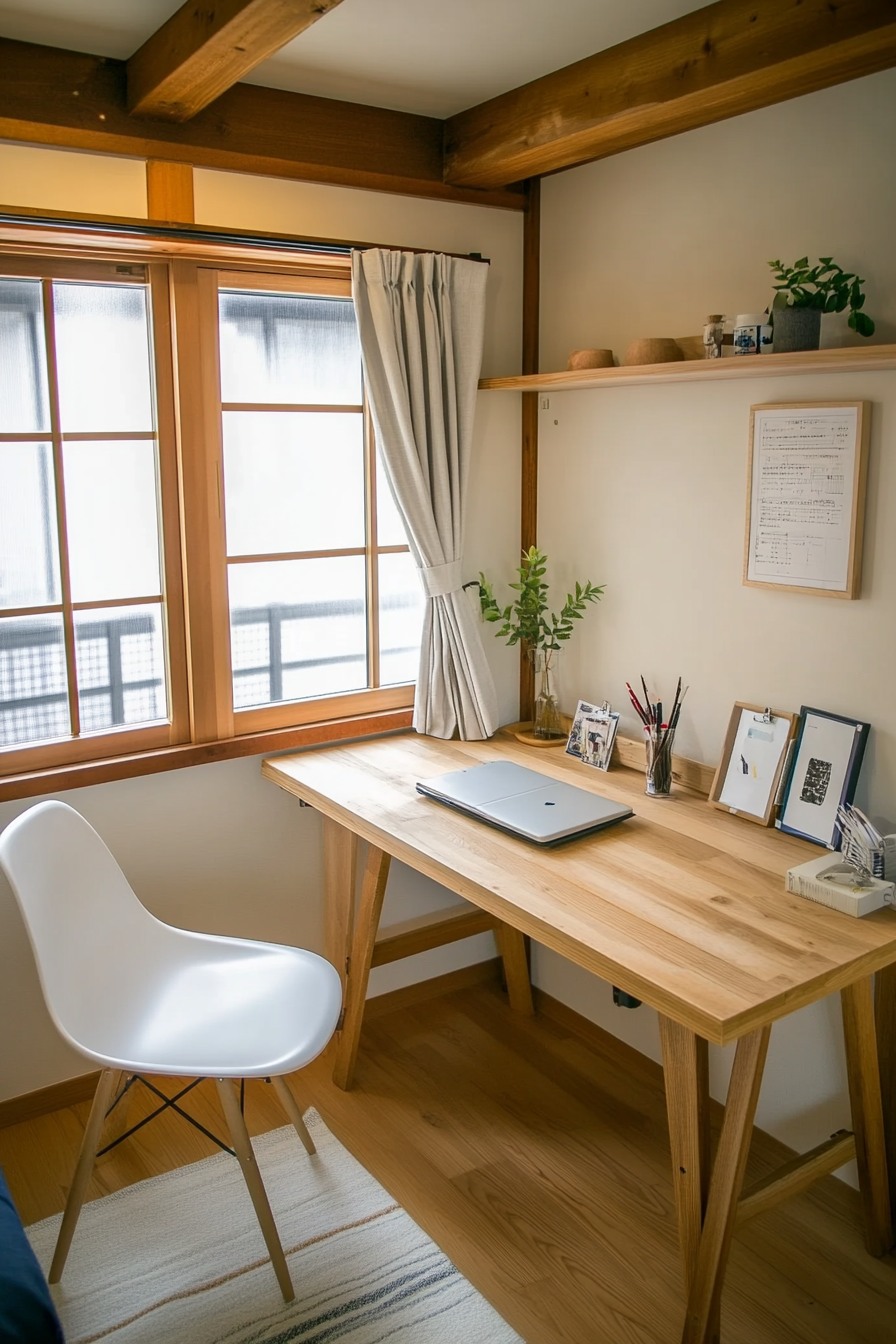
(53, 97)
(205, 48)
(729, 58)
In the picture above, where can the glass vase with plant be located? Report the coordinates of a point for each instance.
(804, 292)
(529, 621)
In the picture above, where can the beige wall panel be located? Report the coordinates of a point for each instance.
(644, 489)
(63, 179)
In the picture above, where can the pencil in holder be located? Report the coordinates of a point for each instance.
(659, 763)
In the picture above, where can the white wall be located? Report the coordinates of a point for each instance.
(216, 847)
(644, 488)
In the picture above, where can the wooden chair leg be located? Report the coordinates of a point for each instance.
(686, 1070)
(512, 950)
(290, 1106)
(867, 1113)
(241, 1142)
(373, 889)
(703, 1312)
(86, 1157)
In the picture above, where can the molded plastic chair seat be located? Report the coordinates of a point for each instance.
(140, 996)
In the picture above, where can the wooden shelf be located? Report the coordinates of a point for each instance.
(853, 358)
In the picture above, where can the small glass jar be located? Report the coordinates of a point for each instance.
(659, 763)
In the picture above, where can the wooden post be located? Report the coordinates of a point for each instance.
(529, 452)
(169, 191)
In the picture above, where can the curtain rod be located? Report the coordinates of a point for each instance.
(113, 227)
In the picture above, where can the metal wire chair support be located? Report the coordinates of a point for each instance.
(168, 1103)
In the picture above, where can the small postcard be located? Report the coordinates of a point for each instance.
(592, 735)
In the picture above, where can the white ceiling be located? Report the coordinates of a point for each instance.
(434, 57)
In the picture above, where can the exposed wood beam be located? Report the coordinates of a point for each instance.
(53, 97)
(718, 62)
(205, 48)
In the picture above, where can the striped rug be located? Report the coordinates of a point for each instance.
(181, 1258)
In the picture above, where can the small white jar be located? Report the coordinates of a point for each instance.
(752, 334)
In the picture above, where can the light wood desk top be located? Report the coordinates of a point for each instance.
(682, 906)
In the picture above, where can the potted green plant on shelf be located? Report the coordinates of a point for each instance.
(804, 292)
(528, 621)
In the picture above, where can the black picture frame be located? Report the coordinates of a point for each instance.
(814, 780)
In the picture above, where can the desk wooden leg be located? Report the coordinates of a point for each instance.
(867, 1113)
(686, 1069)
(885, 1022)
(340, 856)
(512, 951)
(373, 889)
(704, 1300)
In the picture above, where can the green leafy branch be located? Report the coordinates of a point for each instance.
(832, 289)
(528, 619)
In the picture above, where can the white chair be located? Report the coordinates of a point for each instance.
(139, 996)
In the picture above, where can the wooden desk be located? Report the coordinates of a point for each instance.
(683, 907)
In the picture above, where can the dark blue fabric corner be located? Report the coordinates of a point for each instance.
(27, 1314)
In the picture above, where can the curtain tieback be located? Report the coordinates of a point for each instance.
(439, 580)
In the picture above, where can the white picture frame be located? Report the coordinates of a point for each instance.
(806, 482)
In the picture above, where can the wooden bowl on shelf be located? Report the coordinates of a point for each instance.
(654, 350)
(590, 359)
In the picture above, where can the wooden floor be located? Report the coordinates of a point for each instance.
(535, 1152)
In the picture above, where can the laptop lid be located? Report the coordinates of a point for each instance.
(524, 802)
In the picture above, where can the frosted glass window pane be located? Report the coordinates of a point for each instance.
(111, 513)
(389, 527)
(401, 619)
(24, 403)
(102, 357)
(29, 546)
(293, 481)
(298, 629)
(121, 667)
(287, 348)
(33, 680)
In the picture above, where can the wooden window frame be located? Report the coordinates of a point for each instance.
(76, 748)
(204, 725)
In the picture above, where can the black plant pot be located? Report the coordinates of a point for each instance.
(797, 329)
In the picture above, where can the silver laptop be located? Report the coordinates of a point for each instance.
(523, 802)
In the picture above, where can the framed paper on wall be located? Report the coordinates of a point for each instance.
(826, 763)
(806, 496)
(754, 757)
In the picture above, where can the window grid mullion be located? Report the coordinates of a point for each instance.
(68, 620)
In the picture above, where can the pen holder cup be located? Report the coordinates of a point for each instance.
(659, 765)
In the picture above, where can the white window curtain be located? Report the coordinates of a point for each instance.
(421, 318)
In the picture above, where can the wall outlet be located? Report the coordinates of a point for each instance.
(545, 404)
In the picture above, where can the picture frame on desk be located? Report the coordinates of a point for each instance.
(827, 759)
(592, 734)
(754, 760)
